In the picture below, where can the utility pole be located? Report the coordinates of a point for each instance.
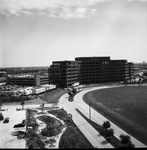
(90, 111)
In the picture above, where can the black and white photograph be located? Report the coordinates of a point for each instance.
(73, 74)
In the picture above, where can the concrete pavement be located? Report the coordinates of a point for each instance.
(7, 140)
(90, 133)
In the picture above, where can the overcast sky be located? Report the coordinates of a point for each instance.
(37, 32)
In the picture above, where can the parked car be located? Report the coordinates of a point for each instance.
(20, 125)
(6, 120)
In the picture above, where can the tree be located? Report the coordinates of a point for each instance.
(106, 125)
(22, 104)
(109, 133)
(126, 141)
(70, 93)
(130, 145)
(74, 90)
(124, 138)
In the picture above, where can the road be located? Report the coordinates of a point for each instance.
(89, 132)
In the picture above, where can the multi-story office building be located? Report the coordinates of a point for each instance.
(89, 70)
(64, 73)
(103, 69)
(28, 80)
(131, 69)
(2, 74)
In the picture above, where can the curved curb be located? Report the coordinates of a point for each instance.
(96, 117)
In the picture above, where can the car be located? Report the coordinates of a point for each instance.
(19, 125)
(6, 120)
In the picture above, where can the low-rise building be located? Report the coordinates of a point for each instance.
(38, 90)
(26, 79)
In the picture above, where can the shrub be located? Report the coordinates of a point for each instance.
(126, 141)
(106, 125)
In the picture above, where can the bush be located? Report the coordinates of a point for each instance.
(126, 141)
(106, 125)
(109, 133)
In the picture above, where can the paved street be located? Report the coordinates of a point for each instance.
(90, 133)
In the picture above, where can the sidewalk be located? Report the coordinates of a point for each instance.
(90, 133)
(98, 118)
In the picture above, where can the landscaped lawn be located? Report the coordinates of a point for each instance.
(125, 106)
(72, 137)
(53, 95)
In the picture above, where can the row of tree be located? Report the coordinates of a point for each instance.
(109, 132)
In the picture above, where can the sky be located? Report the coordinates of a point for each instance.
(37, 32)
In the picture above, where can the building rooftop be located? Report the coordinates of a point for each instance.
(92, 58)
(20, 76)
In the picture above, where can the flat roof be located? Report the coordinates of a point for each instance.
(21, 76)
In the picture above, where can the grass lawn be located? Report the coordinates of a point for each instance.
(53, 95)
(72, 137)
(124, 106)
(114, 141)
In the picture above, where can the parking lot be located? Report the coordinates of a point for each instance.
(6, 129)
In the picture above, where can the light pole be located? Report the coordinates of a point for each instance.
(90, 111)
